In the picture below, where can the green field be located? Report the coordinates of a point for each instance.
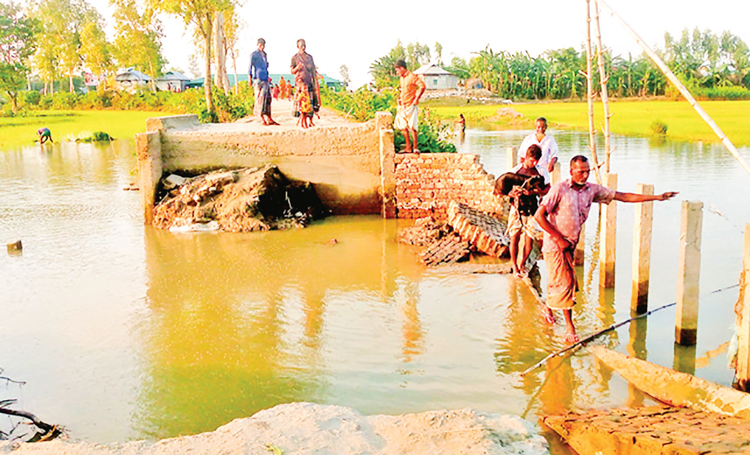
(631, 118)
(17, 131)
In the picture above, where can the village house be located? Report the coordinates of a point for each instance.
(436, 78)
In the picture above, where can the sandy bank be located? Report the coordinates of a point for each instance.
(307, 428)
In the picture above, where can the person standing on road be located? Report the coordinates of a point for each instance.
(258, 73)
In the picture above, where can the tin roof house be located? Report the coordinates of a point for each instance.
(436, 78)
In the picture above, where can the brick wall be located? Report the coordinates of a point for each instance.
(426, 183)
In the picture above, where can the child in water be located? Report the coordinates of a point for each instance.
(44, 135)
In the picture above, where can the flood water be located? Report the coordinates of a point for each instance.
(124, 332)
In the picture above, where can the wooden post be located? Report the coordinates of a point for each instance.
(743, 354)
(511, 163)
(686, 315)
(556, 173)
(609, 238)
(580, 255)
(644, 213)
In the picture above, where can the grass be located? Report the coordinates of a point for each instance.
(21, 131)
(631, 118)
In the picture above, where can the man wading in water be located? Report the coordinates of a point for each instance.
(546, 142)
(561, 214)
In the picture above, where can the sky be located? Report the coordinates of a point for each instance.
(355, 33)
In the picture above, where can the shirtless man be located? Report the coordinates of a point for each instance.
(561, 215)
(519, 225)
(407, 113)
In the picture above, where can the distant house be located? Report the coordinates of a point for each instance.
(436, 78)
(131, 79)
(173, 82)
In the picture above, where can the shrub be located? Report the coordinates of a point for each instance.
(64, 100)
(31, 97)
(658, 128)
(46, 102)
(96, 100)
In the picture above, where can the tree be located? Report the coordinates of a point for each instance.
(16, 46)
(59, 40)
(95, 50)
(200, 15)
(459, 67)
(233, 24)
(138, 38)
(382, 69)
(439, 52)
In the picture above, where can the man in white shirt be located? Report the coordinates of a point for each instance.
(545, 142)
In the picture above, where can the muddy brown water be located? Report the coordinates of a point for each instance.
(125, 332)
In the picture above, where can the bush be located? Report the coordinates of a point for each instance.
(64, 100)
(362, 105)
(31, 97)
(46, 102)
(96, 100)
(658, 128)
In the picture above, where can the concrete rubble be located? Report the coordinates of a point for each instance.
(241, 200)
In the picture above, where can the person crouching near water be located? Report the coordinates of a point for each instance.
(521, 226)
(407, 112)
(561, 214)
(44, 135)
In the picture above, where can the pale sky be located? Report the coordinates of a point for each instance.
(356, 33)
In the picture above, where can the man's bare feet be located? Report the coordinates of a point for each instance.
(273, 122)
(571, 337)
(549, 318)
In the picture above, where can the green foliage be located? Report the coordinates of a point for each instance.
(31, 97)
(96, 100)
(17, 43)
(414, 54)
(86, 136)
(64, 100)
(658, 128)
(138, 38)
(360, 105)
(434, 135)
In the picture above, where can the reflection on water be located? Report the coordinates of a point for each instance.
(123, 332)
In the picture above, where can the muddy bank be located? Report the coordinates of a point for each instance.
(307, 428)
(242, 200)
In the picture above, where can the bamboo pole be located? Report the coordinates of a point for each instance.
(743, 353)
(590, 94)
(603, 79)
(609, 238)
(683, 90)
(688, 277)
(511, 159)
(644, 213)
(556, 174)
